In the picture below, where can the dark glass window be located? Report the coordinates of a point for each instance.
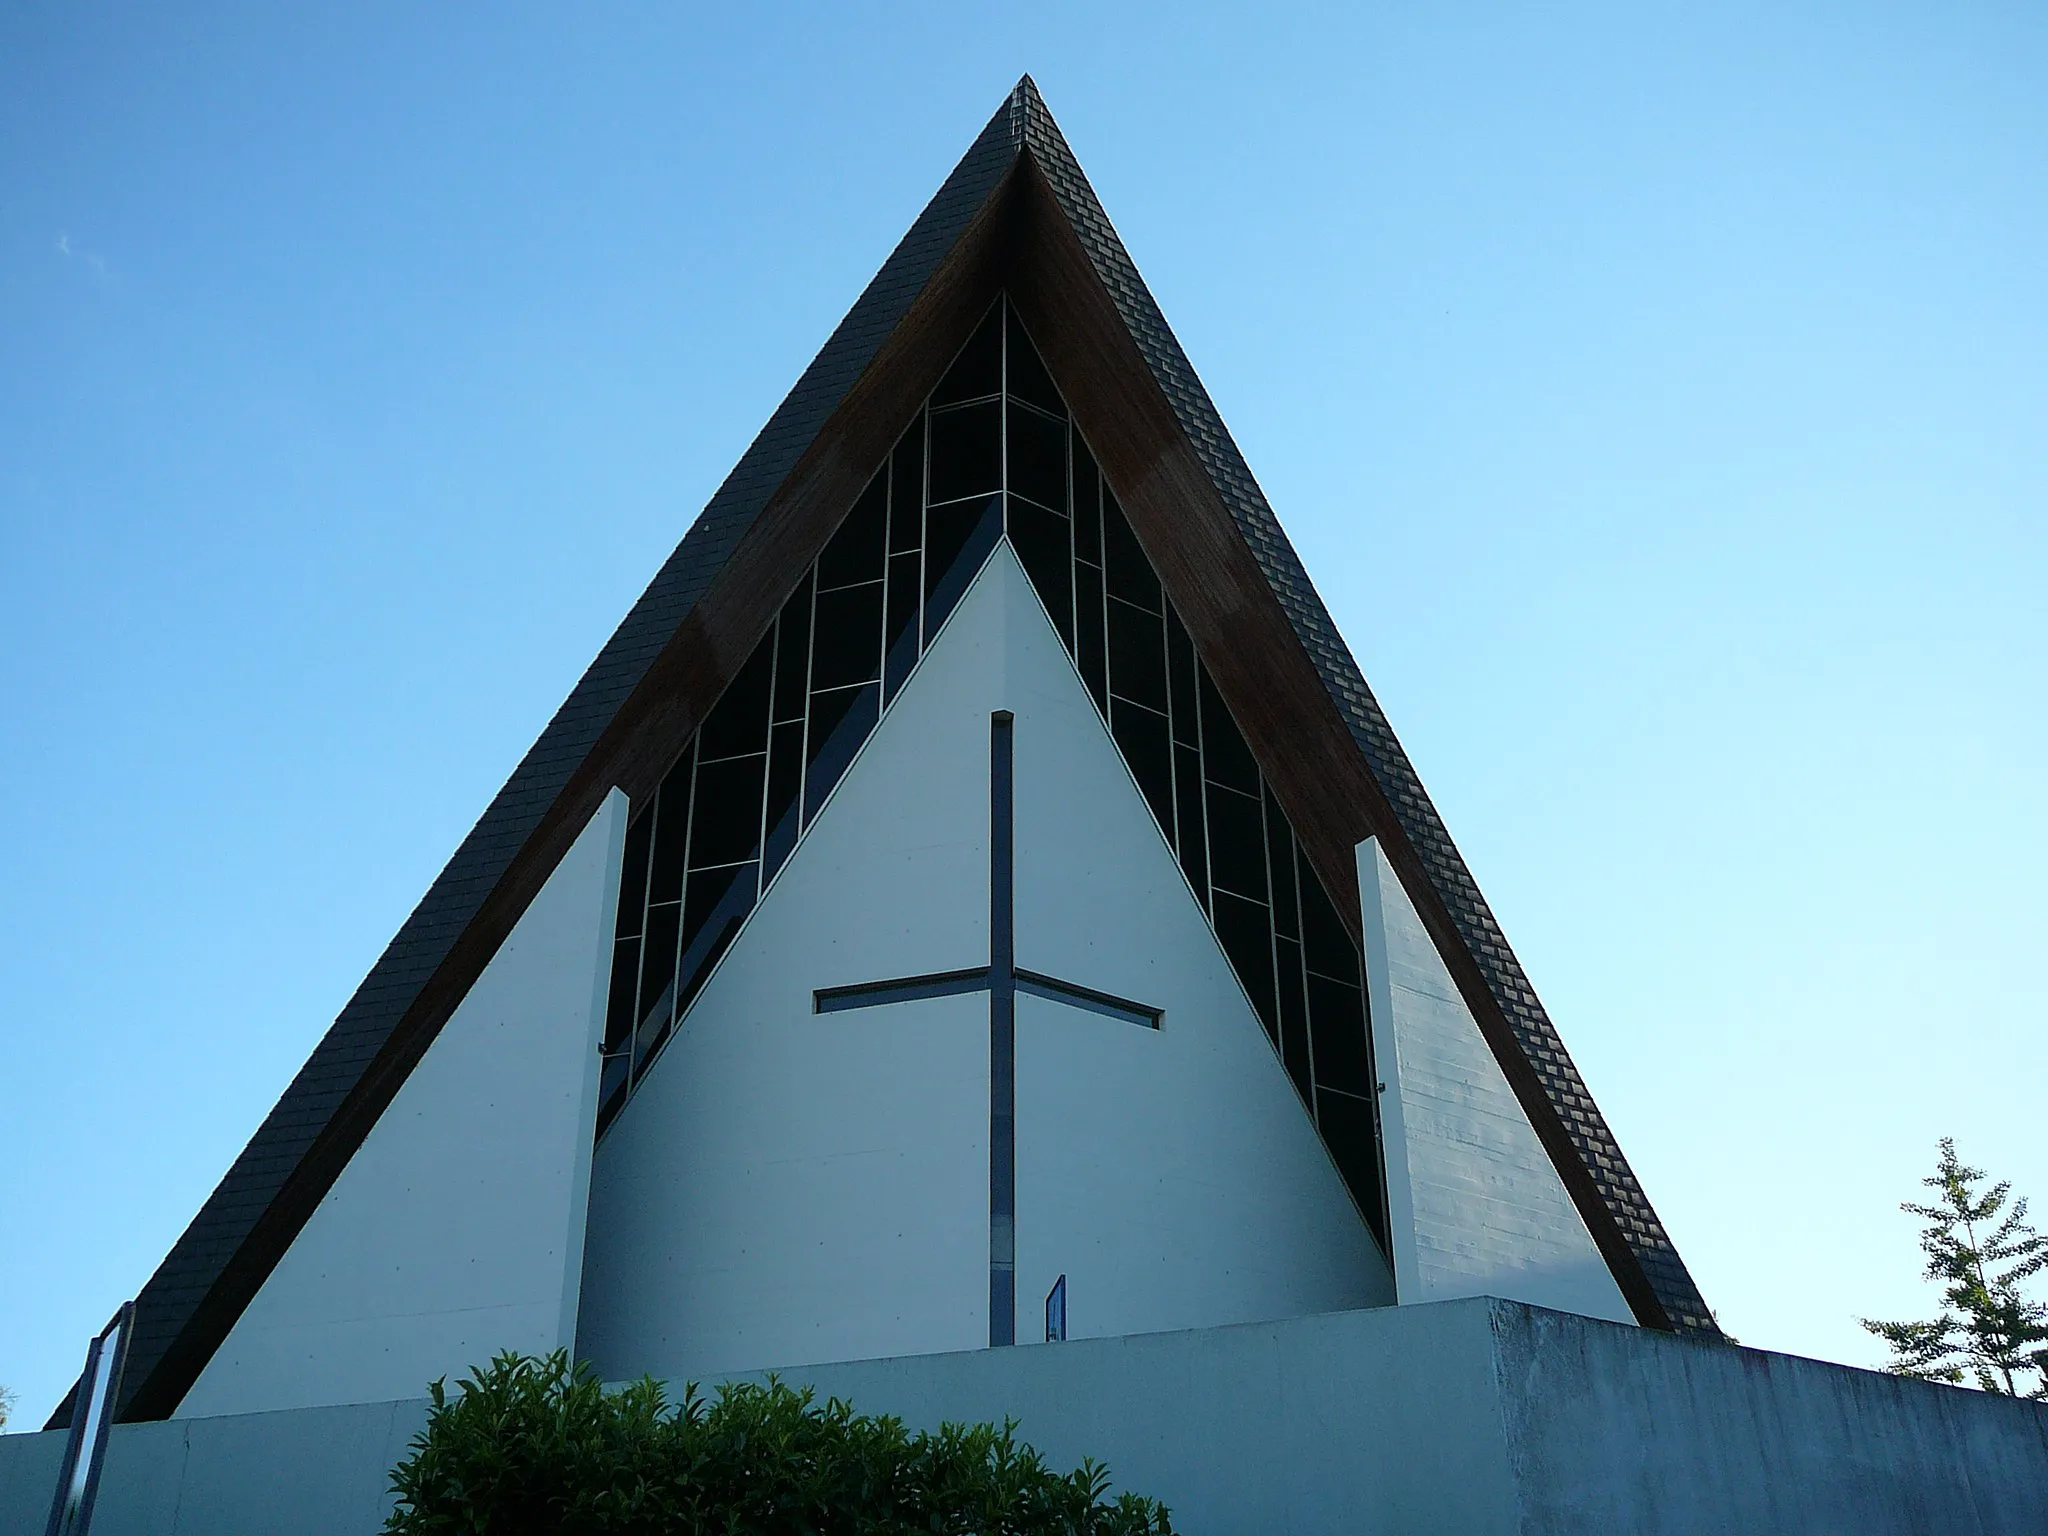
(1141, 733)
(1293, 1016)
(1246, 931)
(1237, 843)
(1091, 653)
(958, 540)
(1280, 856)
(1180, 679)
(633, 877)
(1087, 504)
(1329, 945)
(840, 722)
(1337, 1023)
(978, 370)
(846, 642)
(1125, 568)
(1028, 379)
(1038, 457)
(726, 825)
(1224, 754)
(856, 551)
(1350, 1130)
(739, 721)
(658, 959)
(793, 653)
(906, 491)
(1045, 551)
(1137, 656)
(625, 979)
(671, 835)
(967, 451)
(1189, 831)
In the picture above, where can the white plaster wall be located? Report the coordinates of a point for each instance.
(456, 1229)
(1475, 1204)
(788, 1188)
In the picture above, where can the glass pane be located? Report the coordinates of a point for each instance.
(978, 370)
(1180, 679)
(1349, 1132)
(1087, 504)
(840, 722)
(785, 784)
(906, 490)
(658, 959)
(1328, 942)
(1191, 840)
(1280, 860)
(1028, 379)
(726, 826)
(793, 653)
(1293, 1015)
(633, 875)
(1038, 457)
(847, 645)
(618, 1014)
(1141, 735)
(855, 552)
(1237, 843)
(906, 598)
(967, 451)
(1226, 758)
(739, 721)
(671, 835)
(1125, 567)
(1246, 932)
(959, 540)
(1336, 1015)
(1090, 649)
(1137, 655)
(1045, 549)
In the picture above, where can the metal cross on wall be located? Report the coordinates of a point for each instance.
(1002, 980)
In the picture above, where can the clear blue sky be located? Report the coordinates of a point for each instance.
(1659, 400)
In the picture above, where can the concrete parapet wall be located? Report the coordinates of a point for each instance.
(1472, 1417)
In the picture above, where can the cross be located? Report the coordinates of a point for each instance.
(1002, 980)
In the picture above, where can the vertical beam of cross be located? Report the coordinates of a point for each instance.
(1002, 1032)
(1002, 980)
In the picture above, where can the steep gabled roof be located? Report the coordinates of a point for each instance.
(1015, 213)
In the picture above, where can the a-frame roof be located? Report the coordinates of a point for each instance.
(1016, 213)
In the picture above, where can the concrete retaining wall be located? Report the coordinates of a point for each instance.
(1471, 1417)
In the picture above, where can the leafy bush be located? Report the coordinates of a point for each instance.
(531, 1445)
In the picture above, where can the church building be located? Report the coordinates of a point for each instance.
(973, 905)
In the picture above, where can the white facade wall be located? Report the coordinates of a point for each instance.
(456, 1229)
(790, 1188)
(1475, 1205)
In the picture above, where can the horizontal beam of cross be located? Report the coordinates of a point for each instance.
(910, 989)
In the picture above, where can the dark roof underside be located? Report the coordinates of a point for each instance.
(664, 664)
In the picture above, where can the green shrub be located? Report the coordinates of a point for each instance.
(533, 1446)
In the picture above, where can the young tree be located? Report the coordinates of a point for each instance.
(1987, 1327)
(6, 1405)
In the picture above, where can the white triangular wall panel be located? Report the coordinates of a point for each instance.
(1475, 1205)
(787, 1188)
(456, 1230)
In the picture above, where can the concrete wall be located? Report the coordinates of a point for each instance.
(456, 1229)
(317, 1471)
(1475, 1206)
(786, 1186)
(1467, 1418)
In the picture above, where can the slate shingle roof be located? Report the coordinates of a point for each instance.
(178, 1326)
